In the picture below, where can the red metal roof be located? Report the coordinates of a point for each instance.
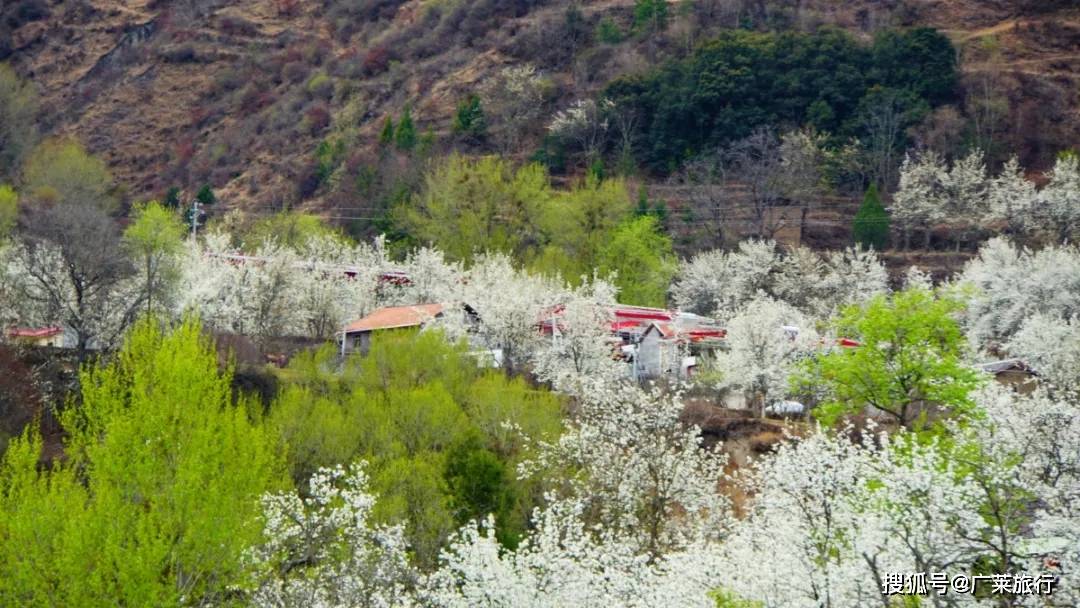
(396, 316)
(33, 332)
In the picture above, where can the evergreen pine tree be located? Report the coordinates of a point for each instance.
(405, 136)
(871, 227)
(205, 195)
(386, 136)
(470, 120)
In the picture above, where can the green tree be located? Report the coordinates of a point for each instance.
(18, 120)
(9, 210)
(158, 497)
(909, 362)
(742, 80)
(469, 119)
(608, 32)
(291, 229)
(643, 260)
(650, 15)
(469, 206)
(205, 195)
(62, 171)
(430, 422)
(579, 223)
(871, 227)
(172, 198)
(386, 134)
(153, 239)
(405, 134)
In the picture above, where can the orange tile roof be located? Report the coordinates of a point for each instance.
(396, 316)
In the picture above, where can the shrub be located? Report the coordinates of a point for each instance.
(376, 61)
(317, 118)
(320, 85)
(608, 32)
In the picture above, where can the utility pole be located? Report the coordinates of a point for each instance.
(194, 217)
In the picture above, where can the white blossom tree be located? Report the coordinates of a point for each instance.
(1057, 206)
(1012, 284)
(765, 341)
(646, 495)
(508, 304)
(584, 124)
(645, 476)
(1051, 345)
(580, 346)
(1011, 196)
(919, 201)
(719, 284)
(323, 551)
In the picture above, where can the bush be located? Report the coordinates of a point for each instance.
(320, 85)
(608, 32)
(376, 61)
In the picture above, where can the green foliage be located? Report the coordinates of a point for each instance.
(469, 119)
(153, 237)
(205, 195)
(909, 362)
(430, 422)
(650, 16)
(159, 495)
(62, 171)
(727, 599)
(328, 155)
(386, 135)
(172, 198)
(405, 134)
(608, 32)
(920, 60)
(871, 228)
(18, 119)
(643, 260)
(469, 206)
(9, 210)
(290, 228)
(480, 482)
(742, 80)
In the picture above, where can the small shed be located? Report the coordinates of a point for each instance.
(357, 335)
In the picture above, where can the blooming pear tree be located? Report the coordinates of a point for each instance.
(580, 346)
(1057, 206)
(719, 284)
(645, 476)
(1051, 345)
(323, 551)
(765, 341)
(1013, 283)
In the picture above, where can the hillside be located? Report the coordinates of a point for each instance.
(240, 94)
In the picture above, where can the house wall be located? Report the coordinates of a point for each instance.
(650, 356)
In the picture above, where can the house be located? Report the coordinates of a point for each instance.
(37, 336)
(357, 335)
(663, 344)
(1013, 373)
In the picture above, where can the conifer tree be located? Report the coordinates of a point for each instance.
(871, 227)
(386, 136)
(405, 136)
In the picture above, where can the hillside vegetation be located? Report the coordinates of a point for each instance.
(277, 103)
